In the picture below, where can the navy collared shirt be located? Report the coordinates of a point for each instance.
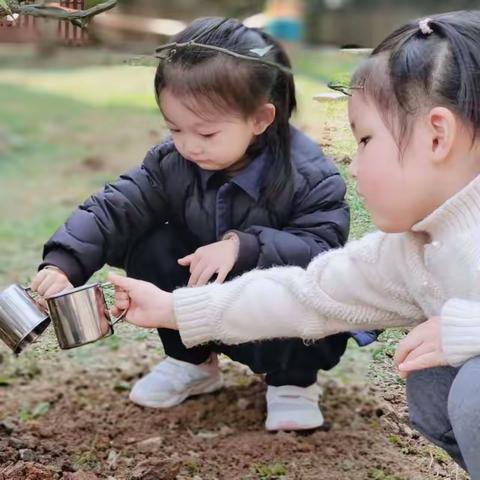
(249, 180)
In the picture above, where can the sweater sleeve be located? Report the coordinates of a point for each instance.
(460, 323)
(361, 285)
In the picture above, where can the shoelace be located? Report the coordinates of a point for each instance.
(290, 392)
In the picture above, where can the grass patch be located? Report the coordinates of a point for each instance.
(276, 471)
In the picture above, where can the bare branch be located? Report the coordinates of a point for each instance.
(78, 17)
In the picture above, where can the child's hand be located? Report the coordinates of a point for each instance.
(217, 258)
(148, 306)
(49, 281)
(421, 348)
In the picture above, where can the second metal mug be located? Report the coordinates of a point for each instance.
(21, 320)
(81, 315)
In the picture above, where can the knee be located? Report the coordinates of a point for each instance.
(464, 398)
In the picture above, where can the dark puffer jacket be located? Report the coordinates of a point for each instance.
(204, 205)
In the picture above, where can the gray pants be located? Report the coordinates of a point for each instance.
(444, 405)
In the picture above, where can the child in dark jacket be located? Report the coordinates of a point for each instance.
(235, 188)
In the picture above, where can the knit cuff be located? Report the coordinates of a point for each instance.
(460, 330)
(197, 320)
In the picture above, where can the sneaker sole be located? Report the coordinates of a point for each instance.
(203, 388)
(292, 426)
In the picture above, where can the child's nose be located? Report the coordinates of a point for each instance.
(193, 148)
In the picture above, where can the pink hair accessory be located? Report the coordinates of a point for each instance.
(425, 27)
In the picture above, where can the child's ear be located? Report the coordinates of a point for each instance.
(263, 118)
(443, 126)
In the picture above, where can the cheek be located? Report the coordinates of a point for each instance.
(370, 174)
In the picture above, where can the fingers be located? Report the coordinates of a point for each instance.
(39, 277)
(122, 300)
(123, 287)
(185, 261)
(222, 275)
(427, 360)
(50, 282)
(57, 287)
(43, 281)
(42, 303)
(116, 311)
(409, 343)
(422, 349)
(195, 274)
(122, 283)
(205, 276)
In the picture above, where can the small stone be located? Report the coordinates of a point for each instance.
(112, 459)
(6, 427)
(243, 404)
(150, 444)
(207, 435)
(225, 431)
(17, 443)
(27, 455)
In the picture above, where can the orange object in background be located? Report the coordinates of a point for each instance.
(284, 9)
(285, 19)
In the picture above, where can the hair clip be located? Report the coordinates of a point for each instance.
(261, 52)
(345, 89)
(425, 27)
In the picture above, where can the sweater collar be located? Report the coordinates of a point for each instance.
(459, 213)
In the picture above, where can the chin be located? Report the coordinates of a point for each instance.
(389, 226)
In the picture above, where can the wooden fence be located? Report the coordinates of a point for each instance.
(27, 29)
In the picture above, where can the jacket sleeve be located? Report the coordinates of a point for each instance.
(103, 228)
(319, 222)
(363, 285)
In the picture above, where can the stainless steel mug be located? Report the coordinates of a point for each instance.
(81, 315)
(21, 320)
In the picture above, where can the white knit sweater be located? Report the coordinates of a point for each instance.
(382, 280)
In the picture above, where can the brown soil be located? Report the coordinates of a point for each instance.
(67, 415)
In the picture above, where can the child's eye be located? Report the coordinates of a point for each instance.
(364, 140)
(174, 130)
(208, 135)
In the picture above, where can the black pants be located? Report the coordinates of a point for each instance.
(285, 362)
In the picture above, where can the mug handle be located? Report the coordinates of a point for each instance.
(28, 290)
(123, 314)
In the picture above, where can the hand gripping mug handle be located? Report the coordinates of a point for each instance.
(123, 314)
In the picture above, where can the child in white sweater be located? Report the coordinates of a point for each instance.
(415, 112)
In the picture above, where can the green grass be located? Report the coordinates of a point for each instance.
(51, 124)
(54, 120)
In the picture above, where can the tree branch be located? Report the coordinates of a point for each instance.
(78, 17)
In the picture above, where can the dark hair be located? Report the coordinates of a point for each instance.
(215, 79)
(416, 67)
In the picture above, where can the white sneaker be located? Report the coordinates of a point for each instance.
(172, 381)
(293, 408)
